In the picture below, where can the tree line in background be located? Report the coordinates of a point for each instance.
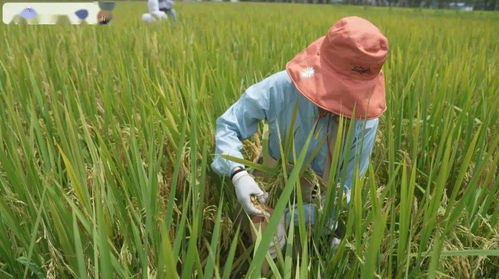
(440, 4)
(435, 4)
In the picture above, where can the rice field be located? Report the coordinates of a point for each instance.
(106, 136)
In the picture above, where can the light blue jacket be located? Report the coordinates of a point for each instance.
(274, 99)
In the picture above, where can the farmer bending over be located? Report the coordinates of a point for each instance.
(338, 75)
(160, 9)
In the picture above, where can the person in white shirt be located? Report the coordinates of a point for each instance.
(159, 10)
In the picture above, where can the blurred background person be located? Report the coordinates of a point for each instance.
(159, 10)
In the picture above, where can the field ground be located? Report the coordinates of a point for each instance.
(106, 139)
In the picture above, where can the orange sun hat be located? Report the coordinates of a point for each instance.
(341, 72)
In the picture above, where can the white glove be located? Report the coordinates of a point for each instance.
(148, 18)
(159, 15)
(245, 188)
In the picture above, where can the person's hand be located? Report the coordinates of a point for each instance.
(246, 187)
(159, 15)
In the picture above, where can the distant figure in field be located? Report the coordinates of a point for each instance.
(105, 15)
(159, 10)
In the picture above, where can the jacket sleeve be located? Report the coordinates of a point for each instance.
(240, 122)
(360, 152)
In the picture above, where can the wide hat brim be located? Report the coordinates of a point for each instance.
(350, 96)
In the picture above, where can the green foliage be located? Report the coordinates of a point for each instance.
(106, 136)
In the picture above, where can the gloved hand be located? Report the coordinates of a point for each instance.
(246, 187)
(159, 15)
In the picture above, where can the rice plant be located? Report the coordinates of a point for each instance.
(106, 136)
